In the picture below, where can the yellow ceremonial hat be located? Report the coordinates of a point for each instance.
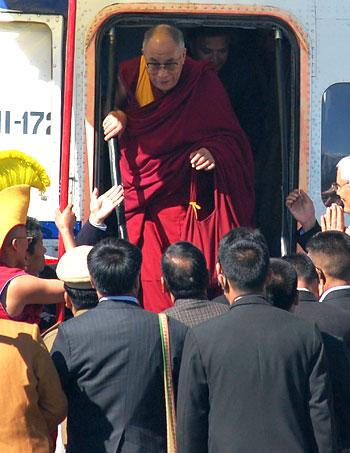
(18, 173)
(14, 203)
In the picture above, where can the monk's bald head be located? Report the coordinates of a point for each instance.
(164, 32)
(164, 53)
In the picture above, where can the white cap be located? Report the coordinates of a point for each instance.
(344, 168)
(72, 267)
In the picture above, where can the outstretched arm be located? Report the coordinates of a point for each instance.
(100, 208)
(27, 290)
(65, 222)
(302, 209)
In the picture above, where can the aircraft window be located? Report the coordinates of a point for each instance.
(335, 134)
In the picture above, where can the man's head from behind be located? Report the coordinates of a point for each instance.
(185, 271)
(281, 288)
(306, 271)
(114, 266)
(73, 271)
(330, 253)
(164, 51)
(243, 262)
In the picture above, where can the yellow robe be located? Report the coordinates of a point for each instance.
(32, 402)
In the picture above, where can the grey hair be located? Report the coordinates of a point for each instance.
(175, 34)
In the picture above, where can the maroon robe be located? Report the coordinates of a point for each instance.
(159, 181)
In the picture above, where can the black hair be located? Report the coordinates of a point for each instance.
(114, 266)
(185, 271)
(33, 228)
(303, 266)
(208, 32)
(282, 286)
(244, 258)
(82, 298)
(334, 247)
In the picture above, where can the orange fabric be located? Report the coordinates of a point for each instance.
(32, 402)
(144, 94)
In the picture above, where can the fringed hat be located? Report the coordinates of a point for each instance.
(18, 173)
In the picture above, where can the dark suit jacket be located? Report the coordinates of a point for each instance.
(304, 238)
(328, 315)
(110, 363)
(306, 296)
(255, 380)
(90, 235)
(334, 325)
(194, 311)
(221, 300)
(339, 298)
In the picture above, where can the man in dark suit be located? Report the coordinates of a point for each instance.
(308, 279)
(334, 325)
(330, 253)
(186, 277)
(110, 361)
(263, 384)
(281, 289)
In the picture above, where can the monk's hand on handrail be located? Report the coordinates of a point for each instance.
(202, 159)
(114, 124)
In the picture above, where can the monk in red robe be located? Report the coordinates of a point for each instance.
(186, 163)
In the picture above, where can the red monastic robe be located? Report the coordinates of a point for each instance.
(162, 190)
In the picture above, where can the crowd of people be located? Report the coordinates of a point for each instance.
(262, 367)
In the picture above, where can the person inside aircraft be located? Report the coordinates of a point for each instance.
(243, 63)
(238, 72)
(180, 139)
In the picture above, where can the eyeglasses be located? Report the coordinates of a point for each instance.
(156, 67)
(335, 186)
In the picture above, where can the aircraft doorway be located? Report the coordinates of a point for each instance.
(261, 76)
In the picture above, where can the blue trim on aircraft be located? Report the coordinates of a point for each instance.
(50, 231)
(35, 6)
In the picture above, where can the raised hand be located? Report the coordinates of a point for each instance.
(333, 219)
(302, 208)
(101, 206)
